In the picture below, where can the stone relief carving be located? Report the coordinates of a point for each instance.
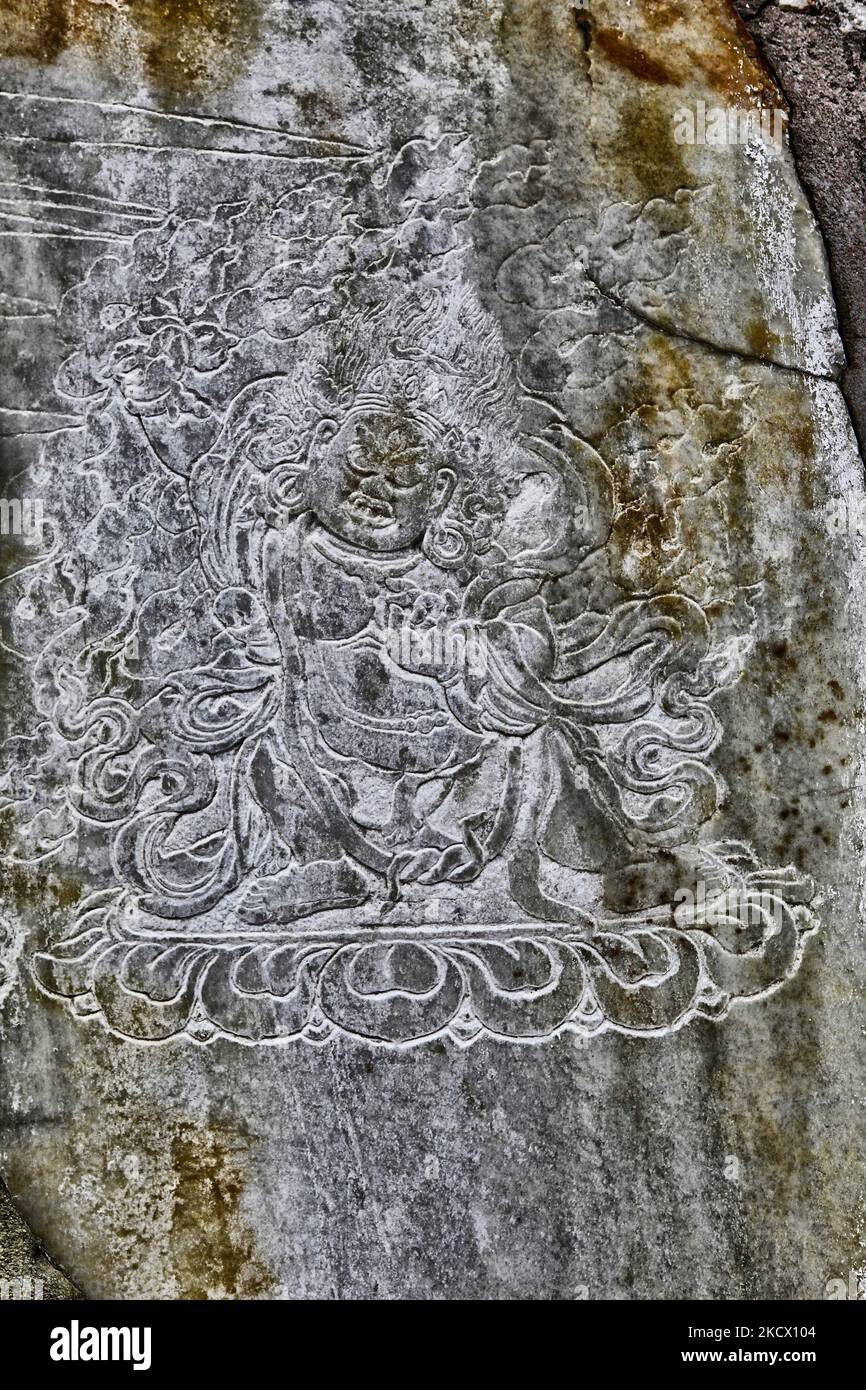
(338, 654)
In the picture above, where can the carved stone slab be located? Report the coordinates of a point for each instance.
(421, 629)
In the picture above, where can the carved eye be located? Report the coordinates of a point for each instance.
(356, 459)
(407, 474)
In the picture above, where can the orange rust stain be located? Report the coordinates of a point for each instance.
(194, 43)
(181, 47)
(662, 14)
(666, 44)
(633, 59)
(655, 160)
(761, 339)
(212, 1253)
(34, 29)
(740, 44)
(626, 54)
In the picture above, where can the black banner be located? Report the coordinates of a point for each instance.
(82, 1339)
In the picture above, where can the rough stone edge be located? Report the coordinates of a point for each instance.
(21, 1255)
(24, 1263)
(819, 65)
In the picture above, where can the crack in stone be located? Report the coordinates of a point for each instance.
(813, 176)
(719, 348)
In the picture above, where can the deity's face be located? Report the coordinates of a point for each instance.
(378, 481)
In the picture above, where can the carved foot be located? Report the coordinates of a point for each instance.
(301, 890)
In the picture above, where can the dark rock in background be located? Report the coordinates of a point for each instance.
(817, 53)
(498, 1061)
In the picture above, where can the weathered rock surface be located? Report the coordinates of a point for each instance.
(26, 1272)
(433, 705)
(818, 54)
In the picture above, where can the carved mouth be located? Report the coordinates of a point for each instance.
(370, 511)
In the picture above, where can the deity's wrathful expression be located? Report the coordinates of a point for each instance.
(378, 481)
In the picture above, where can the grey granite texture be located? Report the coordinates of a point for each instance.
(818, 54)
(26, 1271)
(432, 701)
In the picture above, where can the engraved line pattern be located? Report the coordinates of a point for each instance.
(307, 476)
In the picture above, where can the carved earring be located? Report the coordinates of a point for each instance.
(286, 494)
(444, 545)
